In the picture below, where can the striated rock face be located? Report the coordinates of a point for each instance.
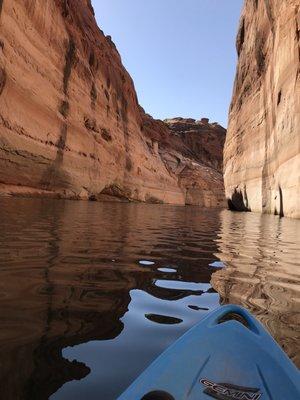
(192, 151)
(204, 141)
(262, 151)
(70, 122)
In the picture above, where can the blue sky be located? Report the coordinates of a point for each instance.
(180, 54)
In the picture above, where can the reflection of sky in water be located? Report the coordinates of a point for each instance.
(146, 262)
(217, 264)
(139, 343)
(168, 270)
(180, 285)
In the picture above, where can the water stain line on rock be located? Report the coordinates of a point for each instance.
(69, 62)
(270, 15)
(65, 7)
(54, 176)
(93, 95)
(3, 78)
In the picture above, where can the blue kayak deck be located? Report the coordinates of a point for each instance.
(228, 355)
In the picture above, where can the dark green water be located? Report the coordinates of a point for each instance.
(90, 293)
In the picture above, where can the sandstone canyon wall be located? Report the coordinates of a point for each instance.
(70, 122)
(192, 151)
(262, 150)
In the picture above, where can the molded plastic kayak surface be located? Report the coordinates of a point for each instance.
(228, 355)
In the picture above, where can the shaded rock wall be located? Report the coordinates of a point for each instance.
(261, 158)
(70, 122)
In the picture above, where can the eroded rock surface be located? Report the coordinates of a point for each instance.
(70, 122)
(196, 156)
(262, 151)
(192, 151)
(204, 141)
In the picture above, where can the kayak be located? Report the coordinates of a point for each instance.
(228, 355)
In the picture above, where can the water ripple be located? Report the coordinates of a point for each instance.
(86, 287)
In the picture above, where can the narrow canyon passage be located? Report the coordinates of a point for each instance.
(121, 230)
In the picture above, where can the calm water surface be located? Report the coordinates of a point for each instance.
(90, 293)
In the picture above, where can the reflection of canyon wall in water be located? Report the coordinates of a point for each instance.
(262, 272)
(59, 286)
(52, 303)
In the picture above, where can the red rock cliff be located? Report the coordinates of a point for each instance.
(262, 151)
(196, 157)
(70, 122)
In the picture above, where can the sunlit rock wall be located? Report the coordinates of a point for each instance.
(70, 122)
(69, 116)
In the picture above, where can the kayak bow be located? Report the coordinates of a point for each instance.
(228, 355)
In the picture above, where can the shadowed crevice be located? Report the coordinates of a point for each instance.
(238, 201)
(64, 108)
(65, 8)
(260, 54)
(69, 63)
(281, 213)
(270, 15)
(54, 176)
(93, 95)
(3, 78)
(240, 37)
